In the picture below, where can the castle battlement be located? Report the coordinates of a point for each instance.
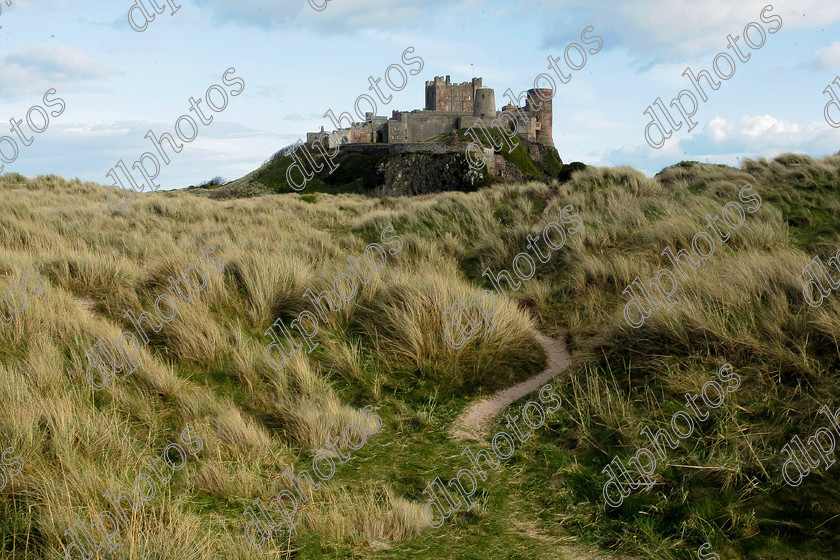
(449, 107)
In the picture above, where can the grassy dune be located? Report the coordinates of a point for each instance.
(385, 348)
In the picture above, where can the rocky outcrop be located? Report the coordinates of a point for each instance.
(501, 167)
(403, 169)
(422, 173)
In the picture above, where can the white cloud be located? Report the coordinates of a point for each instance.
(59, 61)
(718, 129)
(339, 16)
(829, 57)
(767, 135)
(223, 148)
(661, 30)
(669, 29)
(759, 134)
(724, 141)
(37, 67)
(754, 127)
(303, 117)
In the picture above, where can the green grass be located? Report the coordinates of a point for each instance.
(787, 362)
(356, 173)
(407, 456)
(548, 168)
(722, 485)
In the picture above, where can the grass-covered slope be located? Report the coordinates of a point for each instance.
(356, 173)
(206, 368)
(744, 306)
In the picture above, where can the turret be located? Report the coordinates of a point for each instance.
(485, 103)
(541, 98)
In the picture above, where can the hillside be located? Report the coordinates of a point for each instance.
(386, 348)
(394, 169)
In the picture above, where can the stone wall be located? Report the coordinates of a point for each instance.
(442, 95)
(541, 98)
(373, 149)
(449, 107)
(422, 125)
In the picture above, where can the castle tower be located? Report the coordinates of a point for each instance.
(485, 103)
(541, 98)
(443, 95)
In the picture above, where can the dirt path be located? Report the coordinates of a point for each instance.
(474, 422)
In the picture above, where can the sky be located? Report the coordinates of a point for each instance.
(298, 62)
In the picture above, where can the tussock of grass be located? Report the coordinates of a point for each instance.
(385, 347)
(206, 367)
(744, 305)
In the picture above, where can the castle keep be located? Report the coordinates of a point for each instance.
(449, 107)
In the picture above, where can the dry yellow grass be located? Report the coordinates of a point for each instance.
(206, 367)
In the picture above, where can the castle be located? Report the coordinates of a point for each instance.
(449, 107)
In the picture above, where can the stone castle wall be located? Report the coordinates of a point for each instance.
(449, 107)
(442, 95)
(407, 147)
(423, 125)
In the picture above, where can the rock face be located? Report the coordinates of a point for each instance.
(537, 151)
(422, 173)
(501, 167)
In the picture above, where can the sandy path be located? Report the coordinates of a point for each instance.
(474, 422)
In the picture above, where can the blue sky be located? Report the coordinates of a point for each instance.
(298, 62)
